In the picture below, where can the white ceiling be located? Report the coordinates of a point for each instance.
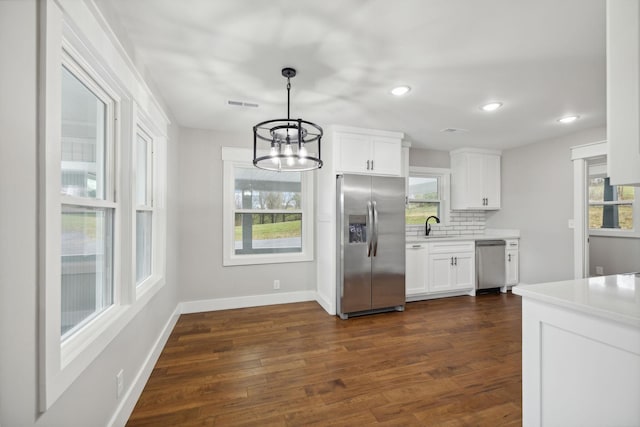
(542, 58)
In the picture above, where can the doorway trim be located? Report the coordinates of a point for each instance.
(580, 154)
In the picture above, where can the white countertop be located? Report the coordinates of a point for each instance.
(612, 297)
(423, 239)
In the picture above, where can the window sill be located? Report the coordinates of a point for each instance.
(614, 233)
(267, 259)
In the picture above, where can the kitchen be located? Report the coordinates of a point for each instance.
(536, 167)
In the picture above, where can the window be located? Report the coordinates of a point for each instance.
(611, 207)
(90, 199)
(87, 200)
(426, 189)
(144, 205)
(270, 214)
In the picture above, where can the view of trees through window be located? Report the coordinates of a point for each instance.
(268, 211)
(610, 206)
(423, 199)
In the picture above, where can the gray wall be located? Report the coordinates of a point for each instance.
(90, 400)
(614, 254)
(429, 158)
(202, 275)
(537, 199)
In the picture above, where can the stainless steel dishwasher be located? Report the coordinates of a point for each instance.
(490, 264)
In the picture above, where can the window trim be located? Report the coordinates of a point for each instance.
(232, 158)
(444, 187)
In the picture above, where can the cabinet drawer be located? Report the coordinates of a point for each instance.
(512, 244)
(446, 247)
(416, 246)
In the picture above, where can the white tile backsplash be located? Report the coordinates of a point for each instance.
(460, 222)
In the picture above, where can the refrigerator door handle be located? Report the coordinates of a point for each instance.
(375, 229)
(369, 235)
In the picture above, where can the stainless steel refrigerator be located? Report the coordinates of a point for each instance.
(371, 244)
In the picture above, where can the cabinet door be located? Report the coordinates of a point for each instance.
(475, 181)
(386, 156)
(464, 268)
(491, 181)
(354, 152)
(439, 273)
(416, 271)
(623, 92)
(511, 265)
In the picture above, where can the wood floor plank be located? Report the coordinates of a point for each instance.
(452, 361)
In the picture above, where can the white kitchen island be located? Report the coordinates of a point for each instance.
(581, 352)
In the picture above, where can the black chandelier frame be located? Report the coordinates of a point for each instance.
(287, 140)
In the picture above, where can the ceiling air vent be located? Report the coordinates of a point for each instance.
(453, 130)
(243, 104)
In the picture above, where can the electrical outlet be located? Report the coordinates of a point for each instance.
(276, 284)
(599, 270)
(119, 383)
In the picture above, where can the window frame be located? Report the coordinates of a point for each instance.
(60, 362)
(241, 157)
(81, 70)
(599, 170)
(444, 181)
(141, 130)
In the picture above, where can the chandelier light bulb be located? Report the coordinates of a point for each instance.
(290, 161)
(287, 150)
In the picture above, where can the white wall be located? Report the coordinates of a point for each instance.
(614, 254)
(202, 275)
(537, 199)
(429, 158)
(91, 399)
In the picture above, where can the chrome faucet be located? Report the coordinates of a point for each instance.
(427, 226)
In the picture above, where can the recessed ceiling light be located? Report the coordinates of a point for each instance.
(492, 106)
(400, 90)
(568, 119)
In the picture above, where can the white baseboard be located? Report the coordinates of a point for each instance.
(324, 303)
(243, 302)
(130, 398)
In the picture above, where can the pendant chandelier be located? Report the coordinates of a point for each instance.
(292, 145)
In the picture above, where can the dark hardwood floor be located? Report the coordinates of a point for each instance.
(451, 361)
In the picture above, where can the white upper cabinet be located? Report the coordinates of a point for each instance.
(369, 152)
(475, 179)
(623, 91)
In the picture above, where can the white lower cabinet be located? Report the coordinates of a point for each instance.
(416, 269)
(511, 262)
(450, 266)
(439, 268)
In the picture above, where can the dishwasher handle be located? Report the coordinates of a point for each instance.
(490, 243)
